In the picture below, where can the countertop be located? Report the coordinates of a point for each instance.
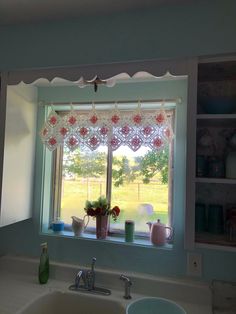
(19, 286)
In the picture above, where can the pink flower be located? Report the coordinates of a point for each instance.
(72, 120)
(93, 141)
(135, 141)
(53, 120)
(83, 131)
(147, 130)
(63, 131)
(157, 142)
(160, 118)
(104, 130)
(52, 141)
(137, 119)
(93, 119)
(72, 141)
(114, 141)
(115, 118)
(125, 130)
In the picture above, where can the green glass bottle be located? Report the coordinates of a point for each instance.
(43, 273)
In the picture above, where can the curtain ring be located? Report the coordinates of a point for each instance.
(71, 107)
(52, 106)
(139, 104)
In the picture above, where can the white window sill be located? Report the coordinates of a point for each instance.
(114, 239)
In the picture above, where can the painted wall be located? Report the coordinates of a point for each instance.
(198, 28)
(110, 255)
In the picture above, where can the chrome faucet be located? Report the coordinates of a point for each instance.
(88, 278)
(80, 275)
(128, 284)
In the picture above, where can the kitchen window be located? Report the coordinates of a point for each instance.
(138, 181)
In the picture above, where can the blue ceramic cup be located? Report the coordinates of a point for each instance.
(215, 219)
(57, 226)
(201, 166)
(216, 168)
(200, 217)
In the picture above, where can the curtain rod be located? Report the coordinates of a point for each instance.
(168, 100)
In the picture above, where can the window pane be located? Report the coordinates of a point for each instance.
(83, 178)
(140, 186)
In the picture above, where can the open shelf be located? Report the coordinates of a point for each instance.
(216, 120)
(216, 92)
(216, 239)
(215, 180)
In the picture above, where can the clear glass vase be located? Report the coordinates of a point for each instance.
(101, 227)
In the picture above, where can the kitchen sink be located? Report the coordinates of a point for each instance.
(68, 302)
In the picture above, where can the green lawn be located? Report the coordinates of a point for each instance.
(128, 197)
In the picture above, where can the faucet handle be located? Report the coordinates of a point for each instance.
(93, 263)
(90, 275)
(126, 279)
(80, 275)
(128, 283)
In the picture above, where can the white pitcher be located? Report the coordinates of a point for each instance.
(78, 224)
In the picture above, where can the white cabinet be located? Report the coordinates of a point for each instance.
(19, 154)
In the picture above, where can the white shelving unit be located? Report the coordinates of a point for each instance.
(216, 120)
(215, 180)
(214, 190)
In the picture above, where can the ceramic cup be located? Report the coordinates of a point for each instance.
(216, 168)
(200, 217)
(215, 219)
(201, 166)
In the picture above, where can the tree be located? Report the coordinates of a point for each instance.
(88, 163)
(85, 163)
(154, 162)
(122, 170)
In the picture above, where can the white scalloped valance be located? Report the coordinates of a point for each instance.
(103, 71)
(112, 128)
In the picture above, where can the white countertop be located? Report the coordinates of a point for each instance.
(19, 286)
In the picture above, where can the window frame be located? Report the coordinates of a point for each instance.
(57, 161)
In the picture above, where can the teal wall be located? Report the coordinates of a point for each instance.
(110, 255)
(200, 28)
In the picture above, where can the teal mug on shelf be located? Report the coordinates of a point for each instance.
(216, 168)
(200, 217)
(215, 219)
(201, 166)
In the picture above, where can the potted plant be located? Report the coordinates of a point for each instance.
(101, 210)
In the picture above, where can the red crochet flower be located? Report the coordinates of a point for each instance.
(98, 211)
(91, 212)
(116, 210)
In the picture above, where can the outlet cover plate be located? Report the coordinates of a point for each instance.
(194, 264)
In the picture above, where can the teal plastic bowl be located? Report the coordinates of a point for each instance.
(154, 306)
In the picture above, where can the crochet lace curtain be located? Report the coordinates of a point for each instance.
(112, 128)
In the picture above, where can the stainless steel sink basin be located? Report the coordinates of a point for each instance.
(154, 306)
(61, 303)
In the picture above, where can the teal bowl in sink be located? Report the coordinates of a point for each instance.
(154, 306)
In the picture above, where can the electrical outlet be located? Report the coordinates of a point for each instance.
(194, 264)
